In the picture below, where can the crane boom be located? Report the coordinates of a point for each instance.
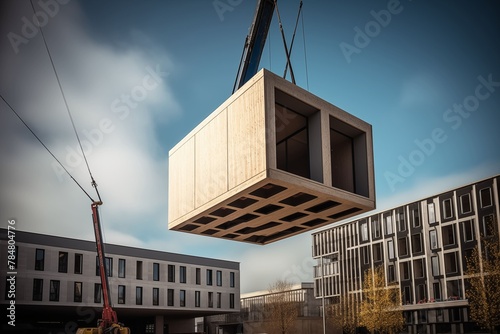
(254, 43)
(109, 320)
(108, 314)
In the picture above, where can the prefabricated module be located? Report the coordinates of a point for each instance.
(270, 162)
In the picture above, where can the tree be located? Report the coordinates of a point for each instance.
(281, 308)
(483, 268)
(345, 312)
(381, 304)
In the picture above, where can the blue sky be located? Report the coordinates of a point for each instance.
(139, 75)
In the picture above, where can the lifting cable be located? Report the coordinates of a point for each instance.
(39, 140)
(284, 41)
(93, 183)
(305, 54)
(288, 64)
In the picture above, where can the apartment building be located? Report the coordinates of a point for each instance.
(58, 287)
(423, 246)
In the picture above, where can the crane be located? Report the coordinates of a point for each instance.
(256, 39)
(109, 320)
(254, 42)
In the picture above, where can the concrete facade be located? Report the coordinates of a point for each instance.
(58, 289)
(423, 247)
(271, 162)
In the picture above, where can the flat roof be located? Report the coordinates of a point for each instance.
(77, 244)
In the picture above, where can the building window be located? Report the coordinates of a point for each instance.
(485, 197)
(407, 295)
(454, 289)
(219, 300)
(448, 234)
(435, 266)
(171, 273)
(209, 277)
(121, 294)
(465, 204)
(375, 228)
(447, 208)
(231, 279)
(39, 259)
(450, 263)
(210, 299)
(182, 274)
(138, 270)
(415, 216)
(377, 252)
(400, 220)
(108, 264)
(54, 291)
(219, 278)
(390, 249)
(405, 270)
(455, 314)
(78, 263)
(437, 291)
(156, 296)
(97, 292)
(489, 225)
(77, 292)
(468, 230)
(403, 246)
(198, 276)
(388, 224)
(433, 239)
(231, 300)
(419, 268)
(391, 273)
(37, 289)
(364, 231)
(121, 268)
(63, 262)
(416, 243)
(366, 255)
(431, 213)
(182, 298)
(170, 297)
(421, 295)
(156, 271)
(138, 295)
(197, 299)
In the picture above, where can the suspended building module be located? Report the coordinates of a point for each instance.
(271, 162)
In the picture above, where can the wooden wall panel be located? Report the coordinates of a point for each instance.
(211, 160)
(247, 133)
(181, 181)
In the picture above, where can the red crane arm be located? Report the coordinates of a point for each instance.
(108, 314)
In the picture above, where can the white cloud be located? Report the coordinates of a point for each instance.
(121, 146)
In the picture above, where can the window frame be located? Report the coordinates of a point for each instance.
(78, 292)
(461, 200)
(489, 196)
(40, 259)
(62, 264)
